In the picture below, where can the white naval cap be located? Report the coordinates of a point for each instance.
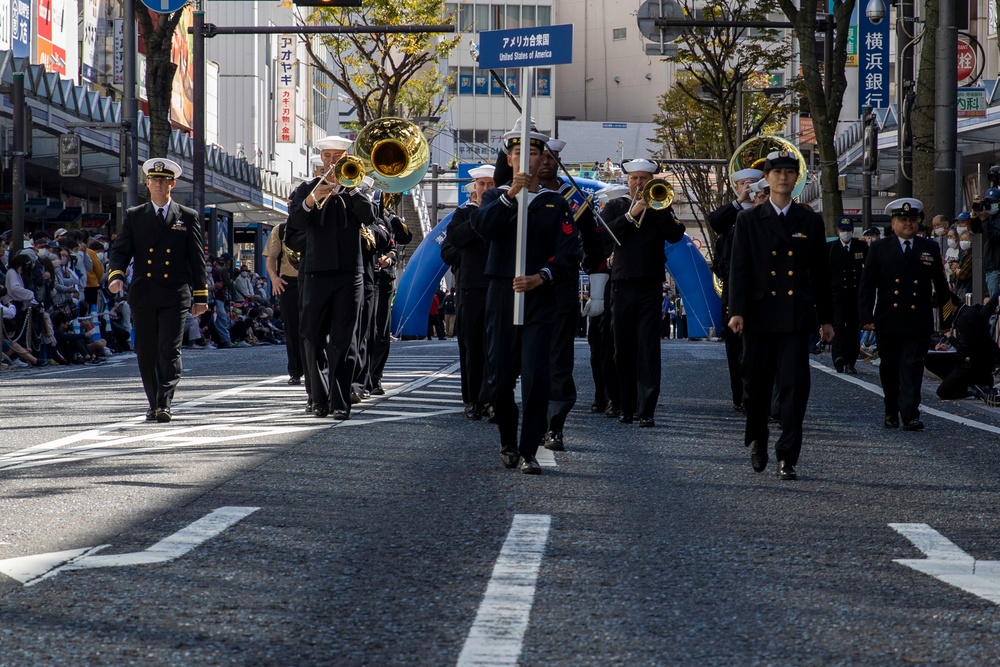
(906, 207)
(744, 174)
(484, 171)
(639, 164)
(760, 186)
(333, 143)
(556, 145)
(513, 138)
(161, 167)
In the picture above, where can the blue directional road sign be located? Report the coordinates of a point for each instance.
(165, 6)
(526, 47)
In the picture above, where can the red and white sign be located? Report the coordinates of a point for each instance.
(966, 61)
(285, 97)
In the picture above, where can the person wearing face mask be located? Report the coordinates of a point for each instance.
(963, 276)
(847, 261)
(990, 227)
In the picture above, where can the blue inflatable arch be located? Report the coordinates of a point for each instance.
(425, 269)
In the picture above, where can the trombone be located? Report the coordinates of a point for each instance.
(321, 181)
(657, 194)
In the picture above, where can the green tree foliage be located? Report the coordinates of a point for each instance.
(385, 74)
(824, 90)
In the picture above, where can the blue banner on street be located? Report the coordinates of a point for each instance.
(20, 28)
(526, 47)
(873, 63)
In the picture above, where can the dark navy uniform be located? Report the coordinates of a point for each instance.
(168, 275)
(847, 261)
(385, 285)
(779, 283)
(637, 275)
(722, 220)
(895, 295)
(552, 252)
(466, 252)
(331, 289)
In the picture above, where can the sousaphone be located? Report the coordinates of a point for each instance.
(753, 152)
(393, 152)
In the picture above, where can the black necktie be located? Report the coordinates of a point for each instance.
(906, 248)
(161, 215)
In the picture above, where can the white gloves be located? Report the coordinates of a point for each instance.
(595, 306)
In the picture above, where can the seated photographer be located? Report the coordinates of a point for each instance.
(77, 348)
(974, 355)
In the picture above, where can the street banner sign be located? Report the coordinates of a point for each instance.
(971, 103)
(873, 63)
(526, 47)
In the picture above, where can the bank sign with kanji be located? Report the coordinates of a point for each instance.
(526, 47)
(873, 63)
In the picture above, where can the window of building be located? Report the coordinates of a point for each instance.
(465, 81)
(617, 34)
(450, 9)
(543, 82)
(452, 80)
(498, 22)
(528, 16)
(513, 16)
(544, 16)
(465, 18)
(482, 18)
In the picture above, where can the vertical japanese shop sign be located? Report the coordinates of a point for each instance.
(285, 97)
(873, 63)
(21, 28)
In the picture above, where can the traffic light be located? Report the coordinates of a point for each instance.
(327, 3)
(69, 155)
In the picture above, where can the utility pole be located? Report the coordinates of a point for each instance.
(945, 118)
(17, 165)
(130, 111)
(904, 97)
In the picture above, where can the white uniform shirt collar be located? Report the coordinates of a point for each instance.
(779, 211)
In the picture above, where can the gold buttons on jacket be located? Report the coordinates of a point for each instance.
(789, 253)
(774, 293)
(150, 250)
(167, 262)
(897, 280)
(774, 273)
(896, 293)
(774, 253)
(168, 251)
(149, 261)
(791, 292)
(895, 305)
(913, 307)
(165, 275)
(791, 273)
(916, 282)
(149, 275)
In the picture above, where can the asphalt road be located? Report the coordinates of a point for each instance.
(246, 533)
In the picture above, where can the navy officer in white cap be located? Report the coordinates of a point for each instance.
(722, 220)
(779, 295)
(895, 301)
(164, 240)
(326, 219)
(637, 275)
(466, 252)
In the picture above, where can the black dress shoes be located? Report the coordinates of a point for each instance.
(366, 394)
(491, 413)
(612, 411)
(840, 364)
(554, 441)
(851, 370)
(378, 391)
(163, 415)
(913, 425)
(472, 411)
(786, 471)
(646, 422)
(510, 457)
(309, 407)
(294, 380)
(758, 456)
(597, 406)
(355, 399)
(891, 421)
(151, 415)
(321, 410)
(529, 466)
(341, 415)
(625, 419)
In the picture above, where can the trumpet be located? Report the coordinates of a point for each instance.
(657, 194)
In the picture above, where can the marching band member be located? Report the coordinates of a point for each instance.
(637, 276)
(466, 252)
(779, 293)
(551, 257)
(330, 218)
(722, 220)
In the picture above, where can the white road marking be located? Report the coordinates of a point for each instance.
(30, 570)
(497, 634)
(875, 389)
(947, 562)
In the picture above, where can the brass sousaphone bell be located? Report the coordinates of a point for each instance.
(753, 151)
(392, 151)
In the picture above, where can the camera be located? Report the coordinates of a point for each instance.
(977, 206)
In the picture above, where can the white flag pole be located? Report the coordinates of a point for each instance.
(522, 197)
